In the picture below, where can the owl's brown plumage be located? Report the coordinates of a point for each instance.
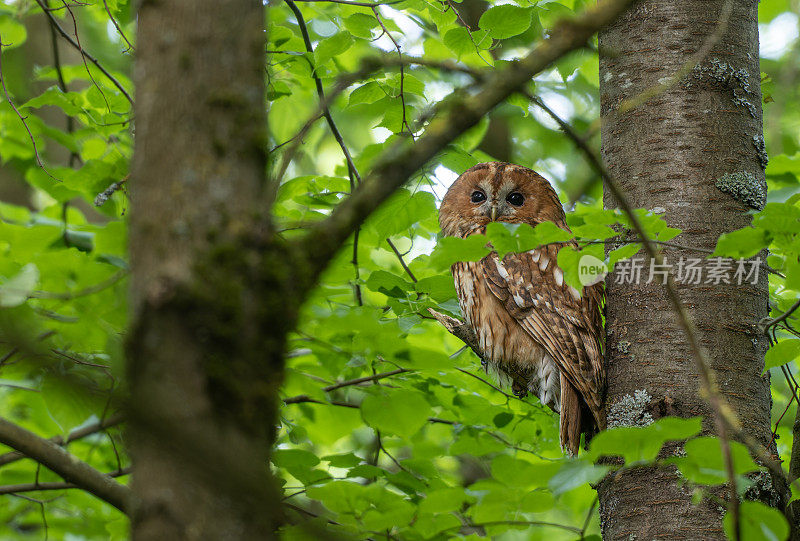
(536, 332)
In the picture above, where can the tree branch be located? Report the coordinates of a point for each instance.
(68, 466)
(454, 117)
(78, 434)
(459, 329)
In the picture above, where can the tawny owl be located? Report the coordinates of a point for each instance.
(536, 332)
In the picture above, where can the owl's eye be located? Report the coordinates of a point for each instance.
(516, 199)
(477, 197)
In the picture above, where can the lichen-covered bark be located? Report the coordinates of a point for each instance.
(695, 152)
(212, 301)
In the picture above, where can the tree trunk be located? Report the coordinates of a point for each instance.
(206, 340)
(693, 152)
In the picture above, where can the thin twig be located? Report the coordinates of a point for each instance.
(91, 290)
(353, 3)
(404, 122)
(589, 516)
(572, 529)
(85, 54)
(55, 485)
(116, 25)
(402, 261)
(365, 379)
(62, 84)
(782, 317)
(19, 115)
(83, 57)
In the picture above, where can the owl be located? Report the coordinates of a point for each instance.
(538, 334)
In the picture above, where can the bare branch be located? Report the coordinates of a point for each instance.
(68, 466)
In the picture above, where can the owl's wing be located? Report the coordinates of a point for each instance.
(532, 288)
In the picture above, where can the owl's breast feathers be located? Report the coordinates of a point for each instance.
(533, 316)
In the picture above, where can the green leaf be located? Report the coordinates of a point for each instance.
(575, 473)
(638, 444)
(439, 287)
(582, 267)
(403, 210)
(449, 250)
(368, 93)
(782, 164)
(340, 496)
(69, 405)
(781, 353)
(18, 288)
(778, 218)
(758, 522)
(505, 21)
(517, 238)
(344, 460)
(594, 231)
(360, 25)
(332, 46)
(623, 252)
(459, 41)
(389, 284)
(742, 243)
(457, 159)
(294, 458)
(516, 472)
(397, 411)
(444, 500)
(12, 32)
(792, 275)
(703, 463)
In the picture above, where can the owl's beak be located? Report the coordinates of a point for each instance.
(493, 214)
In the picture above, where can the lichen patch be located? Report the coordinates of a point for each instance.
(631, 410)
(744, 187)
(720, 75)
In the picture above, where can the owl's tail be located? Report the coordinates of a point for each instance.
(576, 419)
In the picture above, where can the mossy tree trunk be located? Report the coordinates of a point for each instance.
(693, 152)
(211, 301)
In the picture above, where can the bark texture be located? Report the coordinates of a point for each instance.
(672, 154)
(207, 335)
